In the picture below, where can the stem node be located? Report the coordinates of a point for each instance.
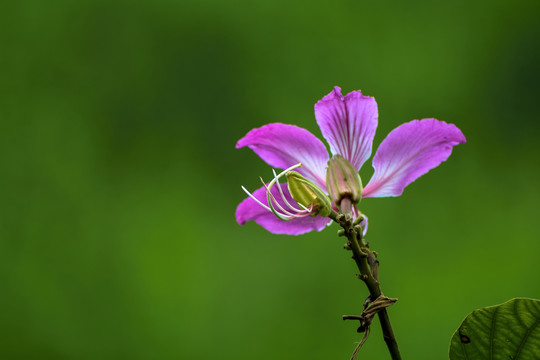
(367, 263)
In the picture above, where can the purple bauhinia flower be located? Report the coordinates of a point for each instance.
(348, 124)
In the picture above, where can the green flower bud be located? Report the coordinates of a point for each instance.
(307, 194)
(343, 181)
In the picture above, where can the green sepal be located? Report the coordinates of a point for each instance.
(343, 181)
(307, 194)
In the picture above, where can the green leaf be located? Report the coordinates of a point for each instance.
(510, 331)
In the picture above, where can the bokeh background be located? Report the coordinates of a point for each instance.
(119, 176)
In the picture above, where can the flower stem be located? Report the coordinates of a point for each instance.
(367, 263)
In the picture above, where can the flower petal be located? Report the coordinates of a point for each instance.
(408, 152)
(250, 210)
(282, 146)
(348, 124)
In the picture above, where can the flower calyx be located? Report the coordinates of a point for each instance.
(343, 181)
(308, 195)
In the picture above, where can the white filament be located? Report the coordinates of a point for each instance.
(284, 214)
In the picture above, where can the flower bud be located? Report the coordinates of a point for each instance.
(307, 194)
(343, 181)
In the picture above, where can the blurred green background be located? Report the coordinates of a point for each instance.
(119, 176)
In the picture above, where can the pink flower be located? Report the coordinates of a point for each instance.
(348, 124)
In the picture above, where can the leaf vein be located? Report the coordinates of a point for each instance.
(529, 331)
(492, 334)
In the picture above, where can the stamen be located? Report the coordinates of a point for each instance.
(286, 214)
(282, 173)
(274, 205)
(305, 208)
(283, 195)
(273, 198)
(254, 198)
(269, 195)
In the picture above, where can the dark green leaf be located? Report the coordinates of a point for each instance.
(510, 331)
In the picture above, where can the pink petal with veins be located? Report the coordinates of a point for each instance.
(348, 124)
(408, 152)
